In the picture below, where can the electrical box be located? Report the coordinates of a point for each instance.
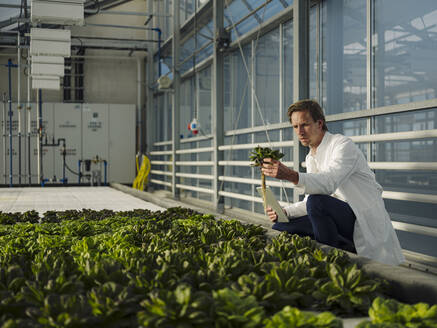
(63, 12)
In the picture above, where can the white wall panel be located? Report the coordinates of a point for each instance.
(68, 125)
(121, 161)
(14, 145)
(95, 132)
(48, 162)
(90, 130)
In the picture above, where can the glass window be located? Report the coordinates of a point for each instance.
(204, 103)
(405, 55)
(288, 68)
(189, 8)
(168, 20)
(200, 3)
(205, 34)
(271, 9)
(235, 11)
(163, 19)
(238, 9)
(204, 53)
(187, 48)
(169, 120)
(287, 135)
(267, 79)
(313, 63)
(187, 107)
(237, 83)
(418, 243)
(344, 82)
(163, 131)
(419, 150)
(266, 136)
(158, 115)
(182, 16)
(412, 181)
(351, 128)
(416, 150)
(348, 128)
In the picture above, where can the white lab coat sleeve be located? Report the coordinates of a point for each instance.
(297, 209)
(342, 163)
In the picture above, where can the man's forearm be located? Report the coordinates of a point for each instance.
(293, 177)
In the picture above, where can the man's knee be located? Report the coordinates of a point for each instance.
(280, 226)
(315, 202)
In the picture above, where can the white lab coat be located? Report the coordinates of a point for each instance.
(339, 169)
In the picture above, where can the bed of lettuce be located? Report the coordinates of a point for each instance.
(179, 268)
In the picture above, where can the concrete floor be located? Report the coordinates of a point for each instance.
(66, 198)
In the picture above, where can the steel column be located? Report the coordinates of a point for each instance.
(176, 98)
(29, 121)
(369, 73)
(10, 65)
(19, 107)
(301, 35)
(149, 112)
(4, 137)
(140, 103)
(218, 108)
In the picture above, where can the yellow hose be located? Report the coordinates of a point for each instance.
(140, 181)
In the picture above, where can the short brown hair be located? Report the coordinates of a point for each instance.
(310, 106)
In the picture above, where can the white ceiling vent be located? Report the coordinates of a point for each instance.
(50, 42)
(63, 12)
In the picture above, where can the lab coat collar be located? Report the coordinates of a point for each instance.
(321, 149)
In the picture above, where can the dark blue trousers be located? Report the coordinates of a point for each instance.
(330, 221)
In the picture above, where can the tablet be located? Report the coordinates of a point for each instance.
(273, 203)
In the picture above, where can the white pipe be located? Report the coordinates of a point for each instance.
(257, 182)
(414, 228)
(185, 187)
(195, 176)
(28, 118)
(19, 85)
(195, 139)
(195, 150)
(133, 13)
(4, 136)
(247, 163)
(139, 102)
(431, 166)
(396, 136)
(161, 163)
(168, 184)
(38, 134)
(194, 163)
(78, 56)
(162, 143)
(412, 197)
(260, 144)
(19, 106)
(160, 153)
(157, 172)
(240, 196)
